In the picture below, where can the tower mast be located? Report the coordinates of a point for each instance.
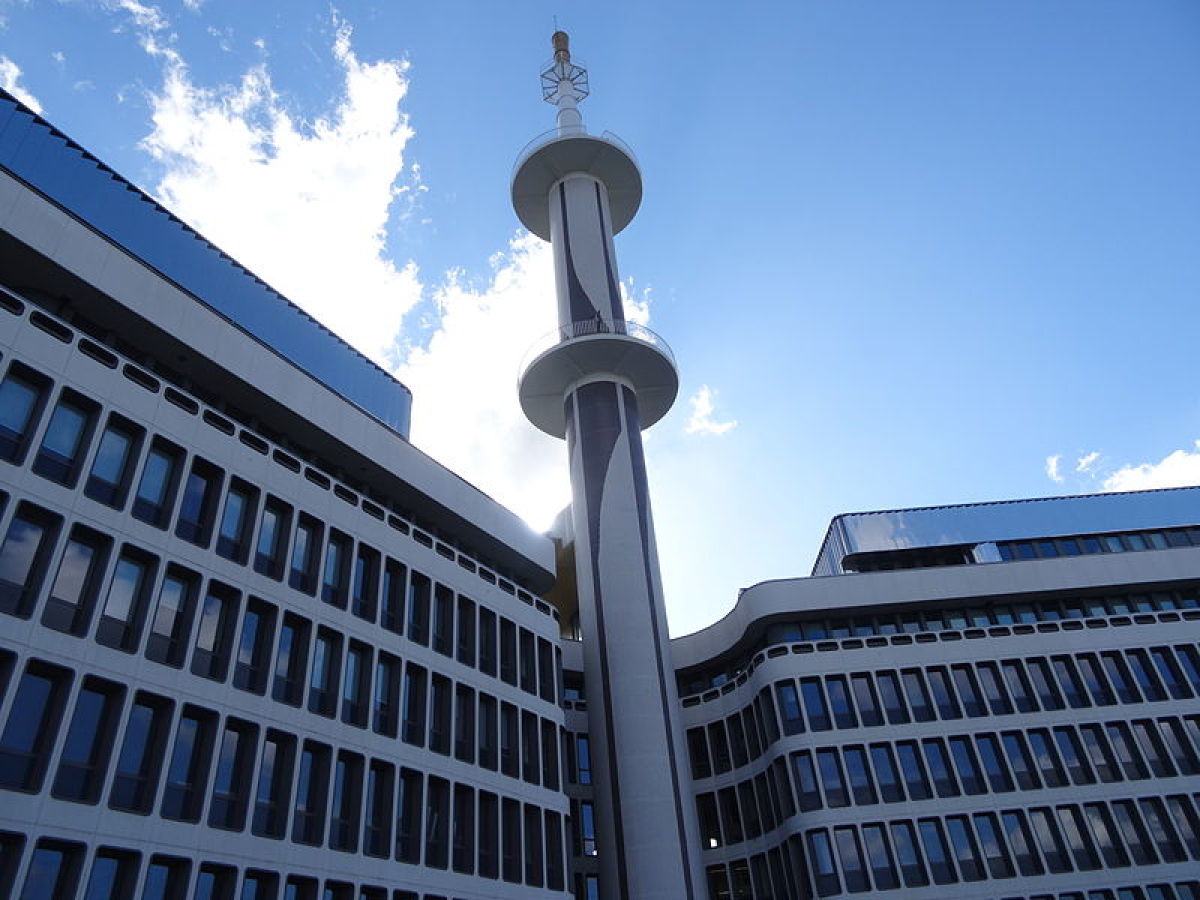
(601, 381)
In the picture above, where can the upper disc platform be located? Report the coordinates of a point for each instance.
(552, 156)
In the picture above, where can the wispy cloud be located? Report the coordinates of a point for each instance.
(1087, 462)
(10, 80)
(1052, 472)
(1178, 469)
(702, 420)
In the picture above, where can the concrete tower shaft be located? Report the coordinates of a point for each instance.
(601, 381)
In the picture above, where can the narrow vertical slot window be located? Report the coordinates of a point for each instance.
(22, 396)
(419, 590)
(291, 660)
(231, 784)
(237, 521)
(125, 606)
(392, 599)
(305, 552)
(377, 812)
(139, 762)
(443, 620)
(215, 632)
(335, 580)
(312, 789)
(171, 624)
(73, 594)
(254, 647)
(273, 796)
(32, 727)
(112, 468)
(198, 508)
(24, 558)
(271, 546)
(191, 759)
(64, 445)
(364, 590)
(155, 495)
(83, 760)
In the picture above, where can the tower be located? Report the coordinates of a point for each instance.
(600, 382)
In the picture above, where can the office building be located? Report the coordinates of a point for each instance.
(256, 645)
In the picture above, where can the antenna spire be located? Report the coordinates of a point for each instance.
(564, 84)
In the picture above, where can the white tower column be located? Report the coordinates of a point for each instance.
(599, 385)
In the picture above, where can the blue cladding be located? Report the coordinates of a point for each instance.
(44, 158)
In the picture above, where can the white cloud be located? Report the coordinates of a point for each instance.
(702, 421)
(59, 57)
(10, 78)
(1087, 462)
(1052, 468)
(305, 206)
(465, 410)
(1178, 469)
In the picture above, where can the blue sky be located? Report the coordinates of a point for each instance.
(905, 253)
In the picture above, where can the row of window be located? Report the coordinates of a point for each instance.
(989, 688)
(736, 740)
(1084, 544)
(452, 719)
(24, 394)
(278, 787)
(998, 763)
(748, 809)
(75, 571)
(1072, 837)
(58, 868)
(780, 872)
(938, 620)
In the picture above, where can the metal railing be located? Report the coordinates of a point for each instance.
(549, 137)
(594, 328)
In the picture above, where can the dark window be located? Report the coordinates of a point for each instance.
(114, 877)
(326, 669)
(347, 802)
(237, 520)
(125, 606)
(254, 644)
(77, 583)
(510, 754)
(939, 768)
(364, 588)
(549, 755)
(187, 773)
(53, 871)
(839, 702)
(1016, 832)
(32, 726)
(943, 694)
(487, 730)
(546, 678)
(377, 812)
(1018, 686)
(737, 740)
(335, 580)
(832, 781)
(1107, 842)
(995, 855)
(489, 835)
(1043, 683)
(1118, 675)
(918, 696)
(437, 823)
(993, 763)
(1045, 832)
(1046, 759)
(305, 554)
(937, 853)
(198, 508)
(789, 708)
(356, 685)
(215, 632)
(65, 441)
(821, 865)
(993, 690)
(388, 675)
(392, 612)
(439, 714)
(22, 394)
(908, 855)
(291, 660)
(166, 878)
(419, 590)
(1069, 681)
(112, 467)
(534, 866)
(969, 775)
(464, 723)
(413, 727)
(915, 781)
(487, 641)
(1134, 832)
(83, 760)
(554, 852)
(273, 796)
(1098, 753)
(809, 795)
(866, 699)
(698, 752)
(171, 623)
(312, 789)
(140, 760)
(530, 756)
(886, 774)
(968, 691)
(528, 661)
(854, 871)
(269, 549)
(511, 840)
(508, 652)
(1078, 840)
(408, 817)
(814, 704)
(231, 784)
(443, 620)
(893, 701)
(24, 558)
(462, 837)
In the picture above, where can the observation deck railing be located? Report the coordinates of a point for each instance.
(594, 328)
(549, 137)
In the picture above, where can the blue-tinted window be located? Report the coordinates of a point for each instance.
(20, 400)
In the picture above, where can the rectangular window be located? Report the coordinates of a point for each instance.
(487, 730)
(462, 837)
(114, 876)
(291, 660)
(547, 682)
(1016, 832)
(908, 855)
(789, 707)
(22, 396)
(271, 546)
(187, 772)
(53, 871)
(916, 783)
(968, 691)
(231, 784)
(112, 467)
(166, 878)
(237, 520)
(530, 757)
(413, 729)
(966, 851)
(508, 652)
(866, 699)
(25, 557)
(555, 880)
(254, 644)
(1125, 749)
(155, 494)
(823, 869)
(306, 551)
(943, 694)
(993, 763)
(198, 508)
(528, 661)
(326, 672)
(443, 620)
(886, 773)
(139, 762)
(419, 591)
(356, 685)
(511, 840)
(918, 695)
(995, 854)
(967, 766)
(698, 753)
(814, 704)
(392, 601)
(861, 786)
(125, 606)
(939, 768)
(1134, 832)
(1070, 682)
(464, 723)
(839, 702)
(312, 792)
(549, 755)
(1046, 759)
(937, 852)
(377, 813)
(364, 587)
(487, 641)
(32, 726)
(832, 780)
(1018, 686)
(215, 632)
(1044, 685)
(437, 823)
(510, 754)
(335, 580)
(83, 760)
(273, 797)
(489, 835)
(440, 714)
(1098, 754)
(408, 817)
(171, 622)
(993, 689)
(1078, 840)
(854, 871)
(347, 802)
(534, 866)
(77, 583)
(737, 740)
(65, 441)
(1045, 832)
(388, 675)
(893, 700)
(1107, 842)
